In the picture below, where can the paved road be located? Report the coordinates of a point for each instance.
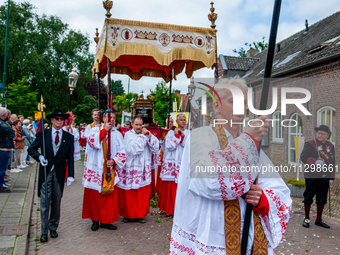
(76, 237)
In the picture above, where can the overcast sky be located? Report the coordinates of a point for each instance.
(239, 21)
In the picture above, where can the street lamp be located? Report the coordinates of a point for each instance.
(191, 93)
(72, 81)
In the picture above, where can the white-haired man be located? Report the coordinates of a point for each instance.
(173, 151)
(210, 206)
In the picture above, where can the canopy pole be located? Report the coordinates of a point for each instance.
(99, 111)
(169, 108)
(108, 82)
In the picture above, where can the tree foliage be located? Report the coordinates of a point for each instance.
(44, 49)
(122, 103)
(161, 101)
(92, 89)
(117, 88)
(262, 45)
(83, 111)
(21, 98)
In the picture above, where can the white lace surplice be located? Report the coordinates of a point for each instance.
(75, 133)
(173, 151)
(94, 158)
(141, 158)
(198, 226)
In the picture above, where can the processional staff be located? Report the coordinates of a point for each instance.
(263, 106)
(41, 107)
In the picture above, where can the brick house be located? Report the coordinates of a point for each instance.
(309, 59)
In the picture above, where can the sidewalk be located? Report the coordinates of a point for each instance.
(15, 211)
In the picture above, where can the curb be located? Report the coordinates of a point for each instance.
(21, 243)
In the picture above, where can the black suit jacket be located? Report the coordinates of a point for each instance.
(64, 153)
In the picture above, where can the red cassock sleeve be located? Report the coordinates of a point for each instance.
(182, 138)
(102, 134)
(263, 207)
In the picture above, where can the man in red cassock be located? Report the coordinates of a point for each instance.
(134, 187)
(100, 202)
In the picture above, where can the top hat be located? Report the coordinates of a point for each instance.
(323, 128)
(57, 112)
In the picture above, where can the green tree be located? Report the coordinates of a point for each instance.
(117, 88)
(83, 111)
(44, 49)
(122, 103)
(161, 101)
(262, 45)
(21, 98)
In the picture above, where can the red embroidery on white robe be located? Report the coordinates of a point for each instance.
(282, 209)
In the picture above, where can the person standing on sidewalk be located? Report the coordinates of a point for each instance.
(134, 188)
(100, 203)
(173, 151)
(18, 146)
(318, 154)
(27, 141)
(7, 135)
(58, 150)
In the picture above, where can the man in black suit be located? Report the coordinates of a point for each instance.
(59, 147)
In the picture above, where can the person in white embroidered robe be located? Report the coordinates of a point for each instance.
(173, 151)
(198, 226)
(134, 189)
(98, 207)
(95, 123)
(75, 133)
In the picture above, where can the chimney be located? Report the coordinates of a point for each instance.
(251, 52)
(306, 23)
(278, 47)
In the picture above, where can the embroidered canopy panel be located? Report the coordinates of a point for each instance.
(141, 49)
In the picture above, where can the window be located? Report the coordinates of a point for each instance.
(277, 128)
(326, 116)
(292, 133)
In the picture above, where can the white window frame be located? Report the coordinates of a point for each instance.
(276, 125)
(292, 146)
(324, 121)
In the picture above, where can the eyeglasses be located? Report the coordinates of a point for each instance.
(323, 134)
(59, 118)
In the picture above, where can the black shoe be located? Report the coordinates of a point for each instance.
(5, 190)
(44, 238)
(53, 233)
(108, 226)
(321, 223)
(95, 226)
(306, 223)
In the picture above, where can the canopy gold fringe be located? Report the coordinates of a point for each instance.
(199, 56)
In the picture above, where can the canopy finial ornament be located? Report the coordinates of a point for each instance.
(212, 16)
(96, 39)
(108, 6)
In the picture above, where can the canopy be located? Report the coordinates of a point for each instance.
(141, 49)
